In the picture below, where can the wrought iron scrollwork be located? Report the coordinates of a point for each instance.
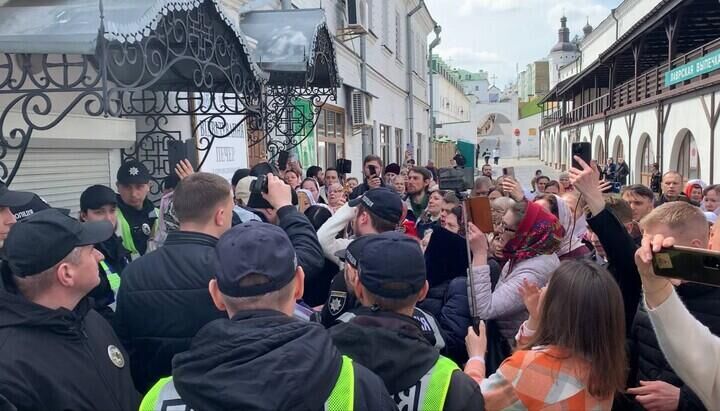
(151, 149)
(285, 125)
(157, 73)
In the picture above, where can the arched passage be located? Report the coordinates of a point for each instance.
(564, 154)
(600, 152)
(645, 161)
(686, 159)
(618, 149)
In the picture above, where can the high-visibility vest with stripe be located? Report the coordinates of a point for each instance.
(114, 280)
(435, 384)
(125, 232)
(164, 396)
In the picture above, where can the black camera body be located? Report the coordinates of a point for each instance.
(456, 179)
(343, 166)
(260, 185)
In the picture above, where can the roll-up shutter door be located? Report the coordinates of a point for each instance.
(60, 175)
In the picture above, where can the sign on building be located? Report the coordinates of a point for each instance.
(226, 154)
(695, 68)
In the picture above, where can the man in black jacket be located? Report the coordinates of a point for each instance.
(672, 189)
(653, 380)
(56, 353)
(277, 208)
(261, 357)
(388, 275)
(163, 299)
(372, 171)
(99, 203)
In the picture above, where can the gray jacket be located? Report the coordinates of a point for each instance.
(505, 304)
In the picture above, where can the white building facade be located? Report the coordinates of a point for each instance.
(636, 109)
(389, 67)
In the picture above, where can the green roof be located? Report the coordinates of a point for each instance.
(530, 108)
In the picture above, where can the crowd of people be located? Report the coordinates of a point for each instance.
(292, 289)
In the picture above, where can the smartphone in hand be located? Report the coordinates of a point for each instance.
(582, 150)
(688, 264)
(480, 213)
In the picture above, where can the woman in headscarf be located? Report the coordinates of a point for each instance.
(694, 191)
(572, 246)
(531, 237)
(311, 185)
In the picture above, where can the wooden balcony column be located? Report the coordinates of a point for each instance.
(611, 83)
(672, 24)
(637, 51)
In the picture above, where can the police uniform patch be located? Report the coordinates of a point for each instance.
(146, 229)
(116, 356)
(337, 301)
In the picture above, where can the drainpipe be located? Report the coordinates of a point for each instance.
(617, 23)
(366, 135)
(408, 65)
(434, 44)
(286, 4)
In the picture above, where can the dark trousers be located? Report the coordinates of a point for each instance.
(496, 160)
(487, 160)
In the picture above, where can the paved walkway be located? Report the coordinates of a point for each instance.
(525, 169)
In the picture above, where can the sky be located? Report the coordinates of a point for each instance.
(497, 35)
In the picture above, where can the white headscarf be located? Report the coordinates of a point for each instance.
(574, 232)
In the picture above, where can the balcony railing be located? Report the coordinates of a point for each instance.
(651, 84)
(644, 89)
(590, 109)
(551, 119)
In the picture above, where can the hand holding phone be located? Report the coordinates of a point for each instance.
(583, 150)
(479, 213)
(688, 264)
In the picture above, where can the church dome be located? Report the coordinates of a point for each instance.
(564, 44)
(588, 28)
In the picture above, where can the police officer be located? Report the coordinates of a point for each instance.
(387, 272)
(8, 200)
(57, 353)
(137, 216)
(99, 203)
(260, 357)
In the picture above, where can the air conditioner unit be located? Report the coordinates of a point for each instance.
(358, 15)
(360, 110)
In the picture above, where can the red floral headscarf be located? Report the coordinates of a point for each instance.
(539, 233)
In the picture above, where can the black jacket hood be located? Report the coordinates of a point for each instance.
(18, 311)
(259, 359)
(390, 345)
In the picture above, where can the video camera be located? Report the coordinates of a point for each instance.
(456, 179)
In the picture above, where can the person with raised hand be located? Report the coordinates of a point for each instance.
(663, 375)
(617, 243)
(571, 349)
(531, 237)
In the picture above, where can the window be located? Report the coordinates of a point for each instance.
(398, 37)
(386, 24)
(371, 20)
(384, 143)
(331, 136)
(399, 146)
(688, 163)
